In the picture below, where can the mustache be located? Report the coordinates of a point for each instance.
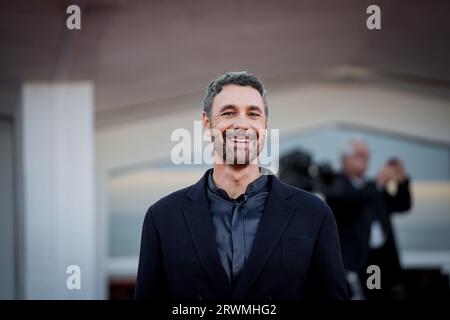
(240, 134)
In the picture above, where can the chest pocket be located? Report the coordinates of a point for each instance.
(297, 253)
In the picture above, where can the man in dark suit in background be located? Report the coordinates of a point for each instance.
(363, 209)
(238, 233)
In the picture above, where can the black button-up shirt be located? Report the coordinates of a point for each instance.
(236, 222)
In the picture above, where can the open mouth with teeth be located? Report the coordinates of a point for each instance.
(238, 140)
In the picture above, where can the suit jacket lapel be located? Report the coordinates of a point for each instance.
(273, 222)
(201, 228)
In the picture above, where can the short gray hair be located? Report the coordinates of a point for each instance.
(241, 78)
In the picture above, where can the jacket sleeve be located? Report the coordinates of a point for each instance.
(151, 282)
(401, 202)
(328, 278)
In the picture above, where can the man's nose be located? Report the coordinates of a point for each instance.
(241, 122)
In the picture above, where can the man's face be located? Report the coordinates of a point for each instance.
(238, 122)
(357, 162)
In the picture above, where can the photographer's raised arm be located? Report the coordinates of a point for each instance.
(401, 201)
(394, 171)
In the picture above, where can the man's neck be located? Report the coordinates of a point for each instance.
(234, 179)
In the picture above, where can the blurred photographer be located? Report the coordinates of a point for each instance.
(298, 169)
(362, 209)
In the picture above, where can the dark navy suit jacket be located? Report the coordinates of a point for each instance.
(295, 255)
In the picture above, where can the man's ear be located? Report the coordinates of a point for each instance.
(205, 121)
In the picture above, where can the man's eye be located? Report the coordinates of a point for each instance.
(253, 114)
(228, 113)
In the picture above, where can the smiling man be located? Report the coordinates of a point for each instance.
(239, 233)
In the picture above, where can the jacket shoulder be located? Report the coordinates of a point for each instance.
(173, 202)
(168, 203)
(307, 201)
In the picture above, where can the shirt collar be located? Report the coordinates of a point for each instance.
(256, 186)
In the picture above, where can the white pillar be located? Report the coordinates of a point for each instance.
(58, 213)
